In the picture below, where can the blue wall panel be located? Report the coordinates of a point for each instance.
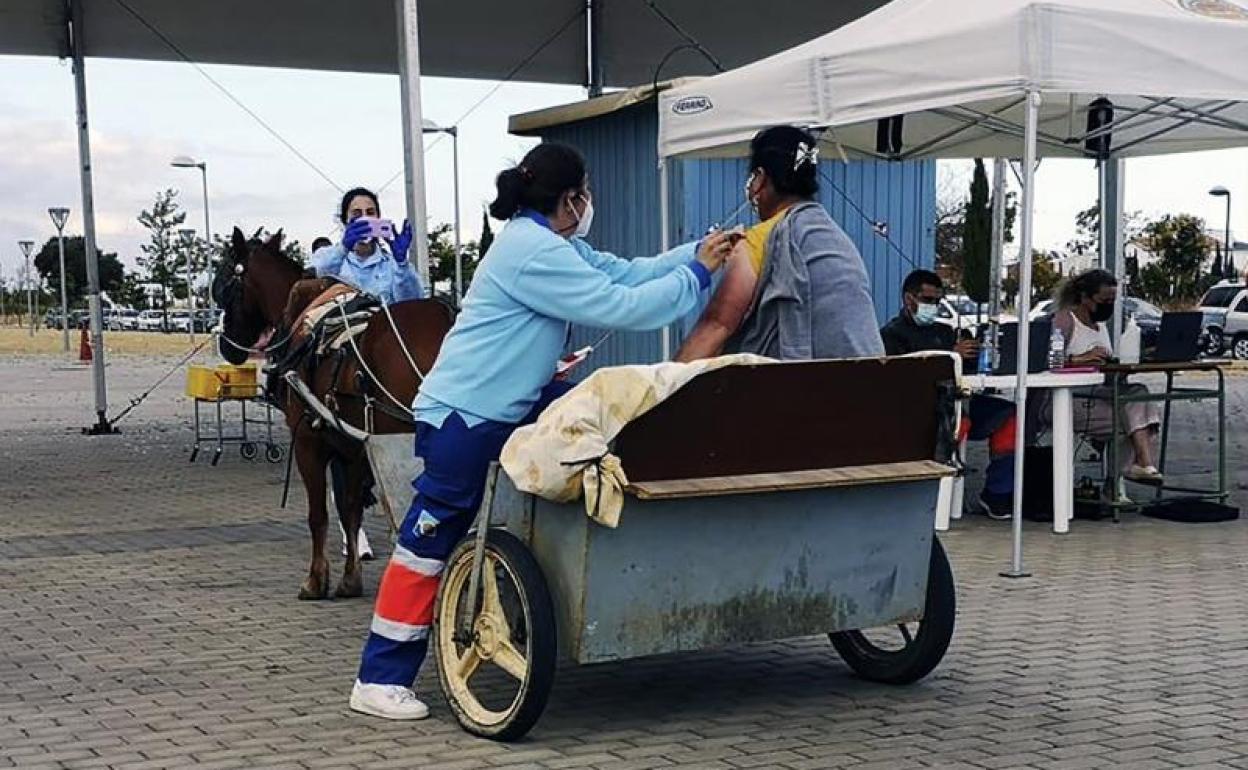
(623, 167)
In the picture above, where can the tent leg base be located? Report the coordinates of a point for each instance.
(101, 428)
(1010, 573)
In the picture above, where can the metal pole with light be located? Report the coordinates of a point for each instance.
(59, 216)
(188, 242)
(182, 161)
(26, 246)
(1222, 192)
(429, 127)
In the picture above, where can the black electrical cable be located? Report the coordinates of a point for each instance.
(238, 102)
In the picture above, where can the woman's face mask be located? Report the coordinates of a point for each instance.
(585, 219)
(1103, 311)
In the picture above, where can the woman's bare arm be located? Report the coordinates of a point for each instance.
(726, 311)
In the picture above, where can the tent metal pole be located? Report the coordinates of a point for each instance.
(459, 250)
(1111, 185)
(101, 426)
(1024, 329)
(413, 134)
(998, 243)
(665, 237)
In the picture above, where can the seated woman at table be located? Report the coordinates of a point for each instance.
(1085, 303)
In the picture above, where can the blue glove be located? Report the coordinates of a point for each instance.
(358, 230)
(400, 245)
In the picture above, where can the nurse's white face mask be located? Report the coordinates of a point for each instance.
(584, 220)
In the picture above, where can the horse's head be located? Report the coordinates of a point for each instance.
(250, 286)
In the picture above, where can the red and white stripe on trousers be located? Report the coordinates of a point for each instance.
(404, 609)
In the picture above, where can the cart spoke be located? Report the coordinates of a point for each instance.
(467, 664)
(511, 660)
(491, 603)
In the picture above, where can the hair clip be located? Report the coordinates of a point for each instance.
(805, 154)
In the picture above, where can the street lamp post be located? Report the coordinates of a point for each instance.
(188, 241)
(59, 216)
(26, 246)
(429, 127)
(1222, 192)
(182, 161)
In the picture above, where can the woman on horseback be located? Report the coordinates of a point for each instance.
(378, 266)
(495, 372)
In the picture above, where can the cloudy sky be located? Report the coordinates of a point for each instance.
(348, 126)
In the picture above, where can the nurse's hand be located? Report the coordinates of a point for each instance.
(715, 249)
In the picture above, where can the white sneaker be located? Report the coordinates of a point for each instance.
(366, 550)
(388, 701)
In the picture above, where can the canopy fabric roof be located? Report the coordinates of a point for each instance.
(457, 39)
(959, 70)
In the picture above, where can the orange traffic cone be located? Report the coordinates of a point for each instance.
(84, 347)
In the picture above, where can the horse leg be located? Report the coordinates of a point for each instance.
(351, 514)
(312, 457)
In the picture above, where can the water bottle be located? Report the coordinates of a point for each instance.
(986, 348)
(1057, 350)
(1129, 342)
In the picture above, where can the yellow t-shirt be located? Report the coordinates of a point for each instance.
(756, 239)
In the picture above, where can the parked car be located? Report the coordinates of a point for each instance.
(1225, 307)
(960, 312)
(151, 321)
(206, 320)
(52, 319)
(179, 321)
(123, 320)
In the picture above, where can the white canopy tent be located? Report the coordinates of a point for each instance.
(595, 42)
(1000, 78)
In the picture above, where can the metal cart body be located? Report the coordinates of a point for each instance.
(704, 572)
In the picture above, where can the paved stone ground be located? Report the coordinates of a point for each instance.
(148, 619)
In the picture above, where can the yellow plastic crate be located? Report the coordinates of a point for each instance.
(223, 381)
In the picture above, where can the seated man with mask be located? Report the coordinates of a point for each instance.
(914, 330)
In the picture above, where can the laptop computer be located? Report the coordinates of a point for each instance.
(1178, 339)
(1037, 347)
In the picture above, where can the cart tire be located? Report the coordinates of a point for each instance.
(274, 453)
(924, 649)
(248, 450)
(527, 629)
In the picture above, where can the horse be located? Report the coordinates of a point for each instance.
(260, 290)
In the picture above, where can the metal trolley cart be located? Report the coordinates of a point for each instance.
(764, 503)
(224, 384)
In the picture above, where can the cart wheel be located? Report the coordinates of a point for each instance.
(274, 453)
(514, 630)
(248, 450)
(908, 652)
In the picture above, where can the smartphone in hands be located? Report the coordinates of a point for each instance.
(380, 229)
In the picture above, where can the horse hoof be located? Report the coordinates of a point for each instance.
(349, 589)
(309, 593)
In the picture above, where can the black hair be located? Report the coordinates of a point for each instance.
(547, 172)
(319, 242)
(776, 151)
(1086, 284)
(917, 279)
(352, 194)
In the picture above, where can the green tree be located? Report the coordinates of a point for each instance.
(1181, 247)
(48, 263)
(1044, 280)
(442, 259)
(977, 237)
(487, 234)
(131, 293)
(160, 253)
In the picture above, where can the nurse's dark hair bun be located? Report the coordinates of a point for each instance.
(546, 173)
